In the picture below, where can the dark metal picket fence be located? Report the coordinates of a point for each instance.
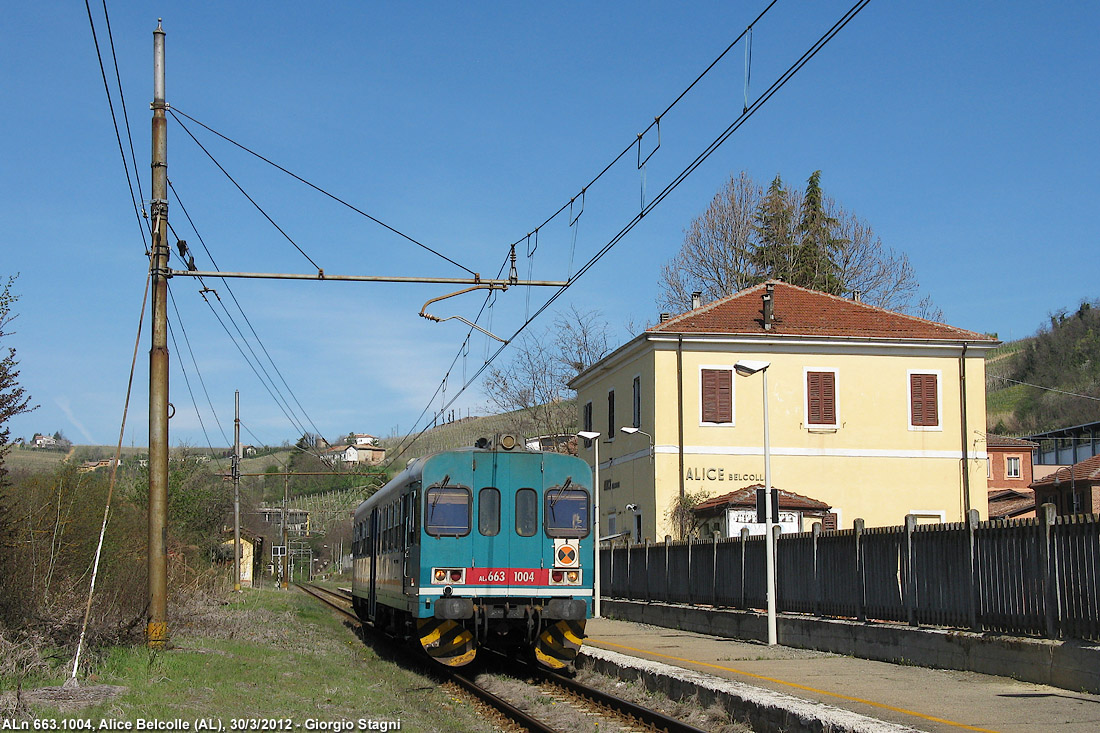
(1032, 576)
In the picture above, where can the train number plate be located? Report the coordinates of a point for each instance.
(507, 576)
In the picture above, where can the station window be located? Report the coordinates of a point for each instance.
(1012, 467)
(447, 510)
(488, 511)
(527, 512)
(821, 398)
(566, 512)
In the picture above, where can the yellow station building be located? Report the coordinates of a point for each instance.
(875, 413)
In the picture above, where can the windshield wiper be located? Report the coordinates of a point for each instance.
(564, 486)
(435, 498)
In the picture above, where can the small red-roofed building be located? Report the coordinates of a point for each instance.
(1072, 490)
(876, 414)
(728, 513)
(1009, 476)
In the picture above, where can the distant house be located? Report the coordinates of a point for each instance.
(45, 441)
(560, 443)
(370, 455)
(365, 439)
(1072, 490)
(89, 466)
(1009, 475)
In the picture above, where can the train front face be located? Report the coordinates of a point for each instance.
(506, 554)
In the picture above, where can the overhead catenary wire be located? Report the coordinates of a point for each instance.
(198, 373)
(248, 321)
(138, 211)
(194, 403)
(247, 196)
(320, 190)
(671, 186)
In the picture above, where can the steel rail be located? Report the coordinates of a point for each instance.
(646, 716)
(513, 713)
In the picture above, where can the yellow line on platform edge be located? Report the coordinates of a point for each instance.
(796, 686)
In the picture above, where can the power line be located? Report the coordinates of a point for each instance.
(671, 186)
(195, 404)
(237, 303)
(114, 121)
(1047, 389)
(318, 189)
(245, 194)
(198, 372)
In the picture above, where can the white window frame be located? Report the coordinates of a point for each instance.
(806, 424)
(1019, 466)
(733, 396)
(909, 401)
(636, 398)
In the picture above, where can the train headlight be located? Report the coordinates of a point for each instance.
(440, 575)
(573, 576)
(507, 442)
(456, 576)
(557, 576)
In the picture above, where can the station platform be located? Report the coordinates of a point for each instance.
(829, 686)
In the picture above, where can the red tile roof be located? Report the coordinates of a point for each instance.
(1009, 503)
(1002, 441)
(803, 312)
(1087, 471)
(746, 498)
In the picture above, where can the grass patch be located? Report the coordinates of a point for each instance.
(268, 654)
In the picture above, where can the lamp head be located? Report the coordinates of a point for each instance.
(747, 367)
(628, 430)
(588, 435)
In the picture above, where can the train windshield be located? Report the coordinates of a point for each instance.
(447, 510)
(566, 512)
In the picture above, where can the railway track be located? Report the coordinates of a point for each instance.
(603, 710)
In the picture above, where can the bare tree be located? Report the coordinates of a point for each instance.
(532, 386)
(748, 235)
(718, 256)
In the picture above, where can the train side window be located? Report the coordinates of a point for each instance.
(447, 511)
(488, 511)
(527, 512)
(566, 512)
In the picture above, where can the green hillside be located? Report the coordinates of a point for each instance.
(1060, 366)
(464, 433)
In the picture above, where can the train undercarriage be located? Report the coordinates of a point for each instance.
(550, 631)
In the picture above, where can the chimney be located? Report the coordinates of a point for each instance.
(857, 296)
(769, 305)
(665, 317)
(696, 297)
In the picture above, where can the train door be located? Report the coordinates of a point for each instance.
(372, 589)
(494, 508)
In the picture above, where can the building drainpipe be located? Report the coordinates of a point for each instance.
(680, 413)
(965, 455)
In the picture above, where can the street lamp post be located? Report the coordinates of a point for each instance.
(595, 438)
(746, 368)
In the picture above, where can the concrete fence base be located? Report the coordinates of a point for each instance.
(1070, 665)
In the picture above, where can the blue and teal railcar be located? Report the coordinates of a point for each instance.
(480, 547)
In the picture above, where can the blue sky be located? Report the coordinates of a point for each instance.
(965, 136)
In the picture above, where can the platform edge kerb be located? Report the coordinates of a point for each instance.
(765, 710)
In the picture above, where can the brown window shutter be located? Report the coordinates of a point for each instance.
(828, 522)
(821, 393)
(717, 395)
(923, 400)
